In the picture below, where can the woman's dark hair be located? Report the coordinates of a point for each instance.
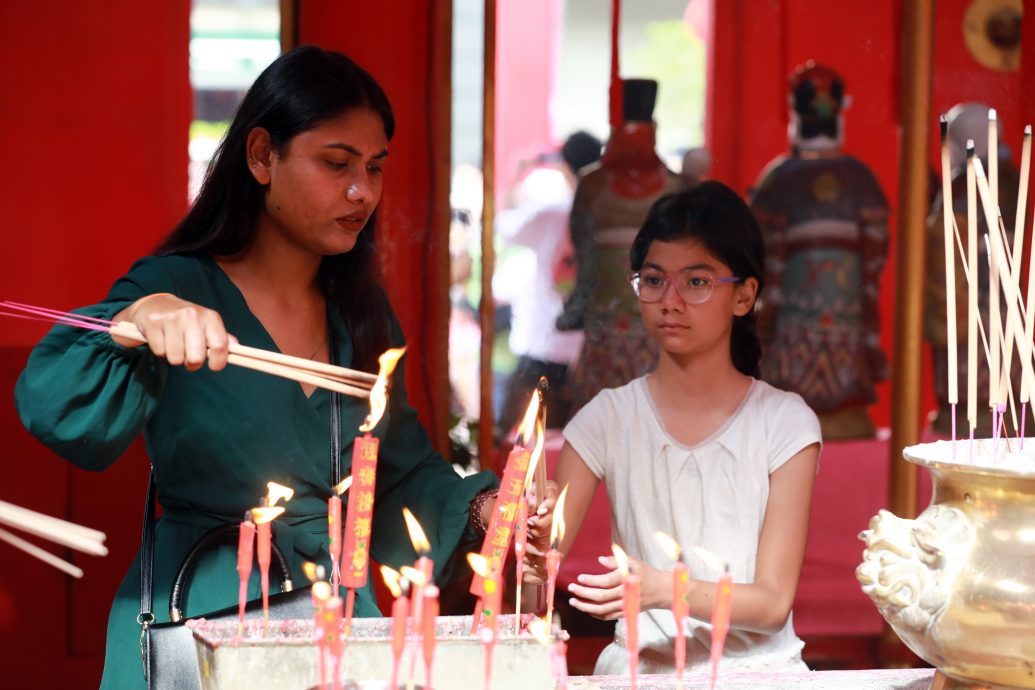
(299, 91)
(718, 218)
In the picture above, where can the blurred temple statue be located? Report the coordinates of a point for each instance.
(966, 121)
(611, 202)
(825, 223)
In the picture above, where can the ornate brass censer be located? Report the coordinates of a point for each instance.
(957, 584)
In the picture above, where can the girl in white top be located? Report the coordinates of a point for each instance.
(699, 449)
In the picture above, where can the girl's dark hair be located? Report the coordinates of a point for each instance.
(716, 216)
(299, 91)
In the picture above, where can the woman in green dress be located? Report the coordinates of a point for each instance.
(278, 251)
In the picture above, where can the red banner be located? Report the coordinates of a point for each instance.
(501, 526)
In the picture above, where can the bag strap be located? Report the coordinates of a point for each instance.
(335, 412)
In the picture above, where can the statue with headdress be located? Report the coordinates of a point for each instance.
(824, 219)
(611, 202)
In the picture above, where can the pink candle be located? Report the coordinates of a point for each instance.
(245, 554)
(722, 609)
(321, 591)
(553, 556)
(265, 541)
(429, 631)
(631, 610)
(333, 640)
(334, 538)
(680, 612)
(400, 617)
(560, 663)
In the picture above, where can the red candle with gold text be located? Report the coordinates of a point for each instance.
(356, 551)
(631, 610)
(429, 631)
(722, 608)
(512, 487)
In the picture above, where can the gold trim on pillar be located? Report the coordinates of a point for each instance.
(288, 25)
(436, 321)
(486, 309)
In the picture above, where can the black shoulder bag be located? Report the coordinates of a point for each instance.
(168, 649)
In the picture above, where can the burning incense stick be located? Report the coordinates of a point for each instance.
(54, 529)
(45, 556)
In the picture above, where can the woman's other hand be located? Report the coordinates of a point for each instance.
(182, 332)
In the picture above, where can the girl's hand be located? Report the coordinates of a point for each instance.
(539, 538)
(601, 595)
(182, 332)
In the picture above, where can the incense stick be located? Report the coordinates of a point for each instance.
(339, 379)
(45, 556)
(56, 530)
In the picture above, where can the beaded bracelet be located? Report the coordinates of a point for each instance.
(480, 528)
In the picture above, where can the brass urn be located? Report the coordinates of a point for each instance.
(957, 584)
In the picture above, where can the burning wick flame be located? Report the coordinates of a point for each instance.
(264, 514)
(393, 581)
(537, 453)
(313, 572)
(528, 424)
(557, 528)
(322, 590)
(621, 559)
(417, 538)
(379, 393)
(276, 491)
(709, 558)
(540, 630)
(343, 486)
(480, 566)
(413, 575)
(668, 545)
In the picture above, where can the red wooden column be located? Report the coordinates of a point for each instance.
(405, 45)
(95, 113)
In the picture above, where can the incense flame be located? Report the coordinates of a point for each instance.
(557, 528)
(276, 491)
(417, 538)
(540, 630)
(379, 393)
(479, 564)
(391, 578)
(264, 514)
(668, 545)
(527, 427)
(621, 559)
(343, 486)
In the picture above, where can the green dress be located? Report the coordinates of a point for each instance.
(216, 438)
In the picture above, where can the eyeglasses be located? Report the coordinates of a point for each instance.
(693, 285)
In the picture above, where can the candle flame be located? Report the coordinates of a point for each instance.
(311, 571)
(537, 454)
(540, 630)
(709, 558)
(343, 486)
(417, 538)
(668, 545)
(322, 590)
(391, 578)
(264, 514)
(621, 559)
(527, 427)
(557, 528)
(276, 491)
(479, 564)
(413, 575)
(379, 393)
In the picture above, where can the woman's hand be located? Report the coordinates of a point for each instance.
(539, 538)
(601, 595)
(182, 332)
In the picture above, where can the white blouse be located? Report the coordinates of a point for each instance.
(711, 495)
